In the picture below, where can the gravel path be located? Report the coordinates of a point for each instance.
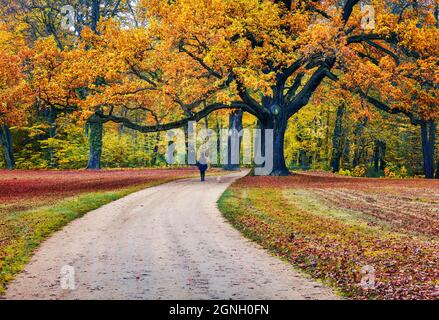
(166, 242)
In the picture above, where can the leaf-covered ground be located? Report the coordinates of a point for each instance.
(23, 189)
(34, 204)
(335, 228)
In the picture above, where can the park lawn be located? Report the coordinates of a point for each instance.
(335, 229)
(35, 204)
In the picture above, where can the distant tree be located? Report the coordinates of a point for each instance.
(234, 139)
(14, 91)
(397, 67)
(337, 139)
(40, 20)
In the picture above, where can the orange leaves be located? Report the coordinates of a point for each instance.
(420, 39)
(223, 36)
(55, 73)
(14, 92)
(187, 51)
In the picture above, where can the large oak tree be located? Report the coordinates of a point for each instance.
(264, 57)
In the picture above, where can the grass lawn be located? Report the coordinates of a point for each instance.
(341, 229)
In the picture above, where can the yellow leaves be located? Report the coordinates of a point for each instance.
(320, 39)
(58, 76)
(420, 39)
(298, 21)
(256, 80)
(185, 50)
(15, 95)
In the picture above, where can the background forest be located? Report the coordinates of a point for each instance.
(312, 142)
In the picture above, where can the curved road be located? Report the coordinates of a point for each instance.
(166, 242)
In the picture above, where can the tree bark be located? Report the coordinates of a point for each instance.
(303, 159)
(383, 155)
(346, 143)
(359, 155)
(235, 127)
(278, 124)
(6, 141)
(218, 142)
(337, 145)
(279, 166)
(376, 156)
(95, 133)
(327, 134)
(51, 115)
(155, 150)
(428, 135)
(379, 155)
(95, 14)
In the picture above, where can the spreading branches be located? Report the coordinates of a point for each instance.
(384, 107)
(302, 98)
(171, 125)
(200, 61)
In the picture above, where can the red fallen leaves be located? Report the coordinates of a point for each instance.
(318, 180)
(22, 186)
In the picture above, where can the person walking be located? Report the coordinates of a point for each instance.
(202, 166)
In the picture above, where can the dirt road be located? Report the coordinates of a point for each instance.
(166, 242)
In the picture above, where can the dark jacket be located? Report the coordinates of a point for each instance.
(202, 167)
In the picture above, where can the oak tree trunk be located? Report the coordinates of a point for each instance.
(359, 153)
(428, 135)
(6, 141)
(379, 155)
(337, 140)
(437, 169)
(95, 133)
(155, 153)
(235, 127)
(279, 126)
(51, 115)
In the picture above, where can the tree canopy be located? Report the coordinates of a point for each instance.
(176, 61)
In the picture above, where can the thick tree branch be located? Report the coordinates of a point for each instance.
(386, 51)
(302, 98)
(384, 107)
(288, 72)
(293, 89)
(363, 38)
(392, 39)
(172, 125)
(348, 8)
(257, 109)
(366, 56)
(200, 61)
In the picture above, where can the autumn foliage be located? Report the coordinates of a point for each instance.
(168, 62)
(15, 94)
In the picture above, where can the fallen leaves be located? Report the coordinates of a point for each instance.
(22, 186)
(335, 243)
